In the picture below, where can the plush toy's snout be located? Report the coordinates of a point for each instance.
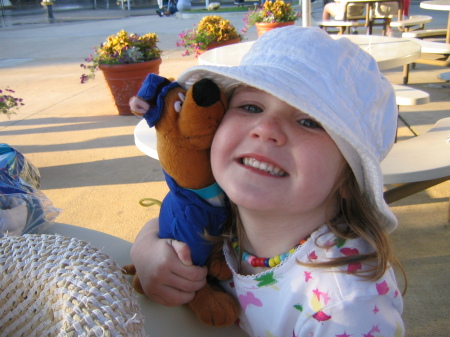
(206, 107)
(205, 93)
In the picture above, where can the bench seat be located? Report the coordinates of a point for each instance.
(433, 53)
(409, 24)
(341, 25)
(431, 47)
(418, 163)
(410, 96)
(425, 33)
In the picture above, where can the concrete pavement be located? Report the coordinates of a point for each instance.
(91, 169)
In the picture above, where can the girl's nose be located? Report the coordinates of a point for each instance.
(270, 129)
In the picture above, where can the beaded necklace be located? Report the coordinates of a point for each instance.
(262, 261)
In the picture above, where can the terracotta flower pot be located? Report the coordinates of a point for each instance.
(216, 44)
(263, 27)
(124, 80)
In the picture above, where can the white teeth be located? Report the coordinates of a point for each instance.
(266, 167)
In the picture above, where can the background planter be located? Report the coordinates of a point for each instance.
(263, 27)
(124, 80)
(215, 44)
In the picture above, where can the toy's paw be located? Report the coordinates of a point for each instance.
(138, 106)
(130, 269)
(215, 307)
(218, 267)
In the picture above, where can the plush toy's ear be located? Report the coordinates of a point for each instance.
(154, 90)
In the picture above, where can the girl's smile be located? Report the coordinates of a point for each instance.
(263, 166)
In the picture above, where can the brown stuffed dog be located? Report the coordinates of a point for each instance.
(185, 124)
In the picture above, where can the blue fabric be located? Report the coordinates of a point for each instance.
(208, 192)
(155, 89)
(184, 216)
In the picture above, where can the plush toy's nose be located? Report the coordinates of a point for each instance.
(205, 93)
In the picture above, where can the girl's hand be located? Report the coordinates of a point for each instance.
(164, 267)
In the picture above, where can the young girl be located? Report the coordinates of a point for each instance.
(298, 152)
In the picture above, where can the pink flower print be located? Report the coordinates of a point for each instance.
(308, 276)
(382, 288)
(349, 251)
(317, 293)
(343, 335)
(312, 255)
(375, 310)
(320, 316)
(374, 329)
(248, 299)
(354, 266)
(330, 243)
(325, 296)
(396, 294)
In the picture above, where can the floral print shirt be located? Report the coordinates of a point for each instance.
(291, 300)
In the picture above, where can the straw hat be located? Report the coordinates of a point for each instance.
(57, 286)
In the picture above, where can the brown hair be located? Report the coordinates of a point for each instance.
(356, 217)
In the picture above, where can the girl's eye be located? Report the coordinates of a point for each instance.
(251, 108)
(310, 123)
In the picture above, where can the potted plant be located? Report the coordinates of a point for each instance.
(8, 103)
(211, 32)
(270, 15)
(125, 60)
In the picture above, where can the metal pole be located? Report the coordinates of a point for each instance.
(306, 13)
(3, 9)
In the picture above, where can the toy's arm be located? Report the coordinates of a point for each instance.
(164, 267)
(138, 106)
(146, 95)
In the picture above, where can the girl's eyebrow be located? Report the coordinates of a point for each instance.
(245, 88)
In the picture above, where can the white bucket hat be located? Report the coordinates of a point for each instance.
(333, 81)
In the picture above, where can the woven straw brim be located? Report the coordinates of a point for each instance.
(57, 286)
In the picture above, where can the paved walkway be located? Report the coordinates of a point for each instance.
(91, 169)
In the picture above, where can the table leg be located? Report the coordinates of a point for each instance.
(447, 39)
(405, 190)
(370, 18)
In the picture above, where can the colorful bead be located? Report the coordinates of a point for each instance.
(260, 261)
(250, 259)
(277, 260)
(272, 263)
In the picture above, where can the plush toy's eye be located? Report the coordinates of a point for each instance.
(179, 104)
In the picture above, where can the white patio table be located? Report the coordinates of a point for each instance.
(389, 52)
(159, 320)
(439, 5)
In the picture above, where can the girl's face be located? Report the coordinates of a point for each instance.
(269, 157)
